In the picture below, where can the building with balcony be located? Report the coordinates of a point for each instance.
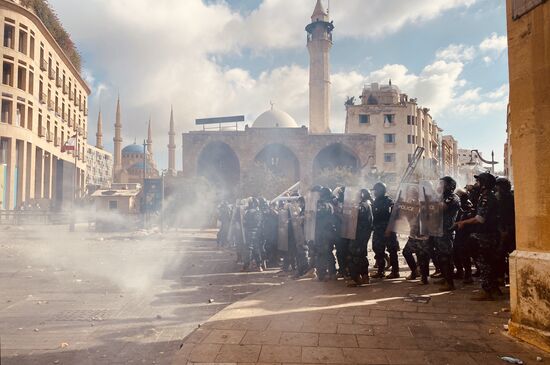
(400, 126)
(449, 156)
(44, 103)
(99, 167)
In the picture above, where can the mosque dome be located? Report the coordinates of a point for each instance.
(275, 118)
(139, 166)
(132, 149)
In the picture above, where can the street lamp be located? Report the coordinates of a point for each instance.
(492, 162)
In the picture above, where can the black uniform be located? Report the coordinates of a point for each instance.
(357, 249)
(507, 231)
(224, 216)
(270, 222)
(252, 223)
(486, 236)
(462, 248)
(444, 244)
(381, 211)
(325, 232)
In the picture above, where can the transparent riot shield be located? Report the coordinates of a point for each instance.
(297, 223)
(405, 213)
(431, 208)
(236, 232)
(311, 212)
(350, 212)
(282, 236)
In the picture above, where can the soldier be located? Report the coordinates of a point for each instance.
(486, 235)
(382, 238)
(357, 250)
(506, 225)
(462, 256)
(444, 244)
(224, 216)
(325, 232)
(298, 211)
(252, 223)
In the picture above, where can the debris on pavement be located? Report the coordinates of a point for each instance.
(415, 298)
(539, 359)
(210, 301)
(64, 345)
(512, 360)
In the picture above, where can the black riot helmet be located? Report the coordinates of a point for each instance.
(326, 194)
(365, 195)
(486, 180)
(450, 184)
(380, 189)
(316, 189)
(253, 203)
(504, 184)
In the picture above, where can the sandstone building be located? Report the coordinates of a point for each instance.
(44, 103)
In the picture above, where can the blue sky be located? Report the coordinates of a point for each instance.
(211, 58)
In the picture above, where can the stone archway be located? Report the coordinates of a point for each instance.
(280, 160)
(334, 156)
(219, 164)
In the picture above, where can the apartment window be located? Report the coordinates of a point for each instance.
(3, 151)
(29, 118)
(31, 83)
(7, 74)
(389, 138)
(20, 115)
(9, 35)
(22, 41)
(409, 120)
(389, 157)
(6, 111)
(411, 139)
(21, 77)
(389, 119)
(364, 119)
(31, 48)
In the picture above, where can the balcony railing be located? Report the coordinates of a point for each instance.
(57, 141)
(43, 64)
(51, 74)
(71, 95)
(49, 136)
(65, 89)
(59, 82)
(66, 118)
(43, 98)
(51, 105)
(41, 132)
(58, 112)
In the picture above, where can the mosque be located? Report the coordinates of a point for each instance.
(275, 139)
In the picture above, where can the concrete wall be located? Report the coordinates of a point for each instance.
(529, 59)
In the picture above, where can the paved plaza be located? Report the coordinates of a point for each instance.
(91, 298)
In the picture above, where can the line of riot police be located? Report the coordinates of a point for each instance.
(325, 234)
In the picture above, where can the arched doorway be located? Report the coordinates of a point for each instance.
(335, 156)
(219, 164)
(280, 160)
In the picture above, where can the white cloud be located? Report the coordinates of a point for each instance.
(161, 52)
(474, 101)
(456, 53)
(494, 43)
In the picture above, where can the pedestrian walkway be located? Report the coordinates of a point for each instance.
(308, 322)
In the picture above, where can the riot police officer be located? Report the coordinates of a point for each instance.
(462, 255)
(357, 250)
(341, 243)
(325, 232)
(486, 236)
(269, 229)
(506, 224)
(252, 223)
(224, 216)
(444, 243)
(383, 239)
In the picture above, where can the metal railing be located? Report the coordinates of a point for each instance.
(43, 64)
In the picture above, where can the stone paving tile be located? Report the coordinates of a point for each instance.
(332, 340)
(323, 355)
(261, 338)
(355, 329)
(238, 353)
(319, 327)
(450, 358)
(299, 339)
(272, 353)
(389, 343)
(406, 357)
(204, 353)
(285, 325)
(225, 336)
(374, 321)
(365, 356)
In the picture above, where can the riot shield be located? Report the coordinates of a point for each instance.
(311, 214)
(282, 236)
(431, 209)
(297, 222)
(350, 212)
(235, 234)
(405, 213)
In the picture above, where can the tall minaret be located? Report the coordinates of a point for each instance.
(172, 146)
(99, 133)
(319, 43)
(117, 163)
(149, 138)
